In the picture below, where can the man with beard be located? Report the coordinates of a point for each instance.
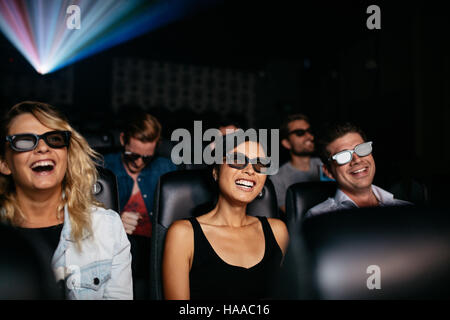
(347, 158)
(297, 137)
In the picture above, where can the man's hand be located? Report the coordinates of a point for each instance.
(130, 221)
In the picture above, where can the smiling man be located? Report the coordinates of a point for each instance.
(347, 158)
(138, 169)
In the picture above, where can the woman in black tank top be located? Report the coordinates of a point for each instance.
(226, 254)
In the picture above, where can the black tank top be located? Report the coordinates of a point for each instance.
(212, 278)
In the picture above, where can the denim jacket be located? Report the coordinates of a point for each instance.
(147, 179)
(102, 270)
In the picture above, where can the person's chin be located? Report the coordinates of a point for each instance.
(240, 198)
(245, 198)
(363, 183)
(45, 180)
(47, 186)
(134, 169)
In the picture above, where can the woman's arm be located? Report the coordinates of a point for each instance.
(177, 260)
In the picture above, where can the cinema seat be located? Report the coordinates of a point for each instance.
(105, 189)
(411, 190)
(25, 271)
(302, 196)
(371, 253)
(101, 141)
(187, 193)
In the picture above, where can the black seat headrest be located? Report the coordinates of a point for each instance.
(99, 140)
(301, 197)
(372, 253)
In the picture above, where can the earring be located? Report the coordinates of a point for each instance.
(260, 194)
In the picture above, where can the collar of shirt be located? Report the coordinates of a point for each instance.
(384, 197)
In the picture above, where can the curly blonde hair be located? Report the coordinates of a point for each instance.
(78, 181)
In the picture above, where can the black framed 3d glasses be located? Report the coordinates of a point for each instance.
(29, 141)
(240, 161)
(345, 156)
(300, 132)
(132, 157)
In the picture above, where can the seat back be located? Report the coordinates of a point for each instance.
(105, 189)
(190, 193)
(411, 190)
(101, 141)
(301, 197)
(371, 253)
(25, 269)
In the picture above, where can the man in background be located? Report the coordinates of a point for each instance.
(298, 139)
(138, 169)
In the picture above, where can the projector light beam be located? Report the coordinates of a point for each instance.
(38, 28)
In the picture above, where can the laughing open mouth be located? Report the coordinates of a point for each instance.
(43, 166)
(361, 171)
(245, 184)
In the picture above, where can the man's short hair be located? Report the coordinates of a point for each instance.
(141, 126)
(332, 131)
(284, 129)
(231, 120)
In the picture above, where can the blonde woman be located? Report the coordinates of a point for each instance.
(47, 173)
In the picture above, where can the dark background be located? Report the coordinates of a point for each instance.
(314, 57)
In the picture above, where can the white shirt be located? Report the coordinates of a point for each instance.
(341, 201)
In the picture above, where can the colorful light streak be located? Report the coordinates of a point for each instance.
(38, 28)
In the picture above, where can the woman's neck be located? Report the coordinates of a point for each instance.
(229, 214)
(40, 209)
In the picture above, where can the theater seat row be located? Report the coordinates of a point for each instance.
(330, 256)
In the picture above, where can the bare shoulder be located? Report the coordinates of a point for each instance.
(277, 225)
(179, 243)
(180, 228)
(280, 232)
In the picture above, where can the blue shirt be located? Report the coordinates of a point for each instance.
(341, 202)
(147, 179)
